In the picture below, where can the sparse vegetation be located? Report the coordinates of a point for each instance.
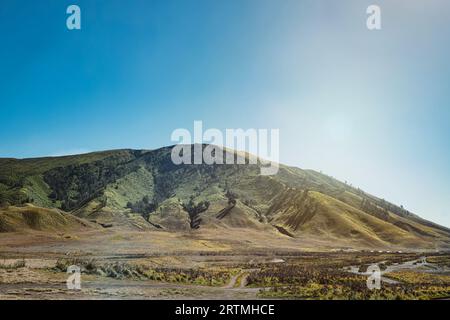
(319, 279)
(16, 265)
(200, 276)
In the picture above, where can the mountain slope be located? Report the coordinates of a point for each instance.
(145, 190)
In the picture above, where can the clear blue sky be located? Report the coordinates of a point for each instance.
(372, 108)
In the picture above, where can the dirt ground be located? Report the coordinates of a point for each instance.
(38, 279)
(28, 260)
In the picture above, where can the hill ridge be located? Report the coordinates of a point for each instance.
(145, 187)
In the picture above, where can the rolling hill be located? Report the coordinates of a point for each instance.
(144, 190)
(29, 217)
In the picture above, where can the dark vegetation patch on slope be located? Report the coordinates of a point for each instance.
(74, 185)
(14, 172)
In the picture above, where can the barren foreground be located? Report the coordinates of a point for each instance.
(118, 264)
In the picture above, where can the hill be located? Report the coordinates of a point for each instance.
(29, 217)
(143, 189)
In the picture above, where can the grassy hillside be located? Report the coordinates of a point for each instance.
(29, 217)
(23, 181)
(142, 188)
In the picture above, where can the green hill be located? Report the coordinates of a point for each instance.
(144, 189)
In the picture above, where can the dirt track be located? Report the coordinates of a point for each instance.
(53, 286)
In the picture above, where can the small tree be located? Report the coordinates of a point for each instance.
(194, 211)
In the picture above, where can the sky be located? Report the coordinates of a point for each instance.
(368, 107)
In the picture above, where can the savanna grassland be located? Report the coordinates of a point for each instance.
(156, 265)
